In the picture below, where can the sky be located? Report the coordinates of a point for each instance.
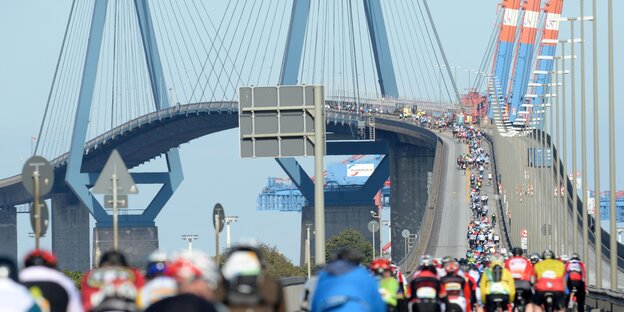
(31, 32)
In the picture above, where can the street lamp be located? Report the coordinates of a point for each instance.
(229, 220)
(190, 238)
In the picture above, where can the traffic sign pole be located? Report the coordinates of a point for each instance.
(217, 229)
(319, 182)
(115, 237)
(37, 208)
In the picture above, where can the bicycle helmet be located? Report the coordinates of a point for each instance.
(157, 264)
(564, 258)
(380, 265)
(450, 265)
(113, 258)
(190, 266)
(517, 252)
(40, 257)
(535, 258)
(496, 259)
(548, 254)
(575, 256)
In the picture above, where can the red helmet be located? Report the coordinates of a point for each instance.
(380, 265)
(40, 257)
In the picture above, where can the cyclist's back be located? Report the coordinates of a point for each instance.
(13, 296)
(523, 274)
(550, 279)
(576, 278)
(42, 278)
(497, 285)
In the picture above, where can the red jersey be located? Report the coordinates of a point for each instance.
(575, 270)
(118, 282)
(520, 268)
(453, 286)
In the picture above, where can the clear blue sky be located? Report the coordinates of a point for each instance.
(30, 35)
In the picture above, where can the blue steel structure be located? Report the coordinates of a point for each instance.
(283, 195)
(387, 83)
(80, 181)
(524, 59)
(506, 42)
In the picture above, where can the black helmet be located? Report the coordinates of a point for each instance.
(535, 258)
(575, 256)
(548, 254)
(517, 252)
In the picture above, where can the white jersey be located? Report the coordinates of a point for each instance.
(15, 297)
(155, 290)
(34, 274)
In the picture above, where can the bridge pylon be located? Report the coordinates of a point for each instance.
(80, 182)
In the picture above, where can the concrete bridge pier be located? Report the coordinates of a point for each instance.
(8, 232)
(337, 219)
(70, 232)
(137, 242)
(409, 168)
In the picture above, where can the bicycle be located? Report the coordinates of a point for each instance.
(549, 302)
(519, 302)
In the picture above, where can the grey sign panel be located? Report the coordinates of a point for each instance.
(44, 217)
(122, 201)
(46, 175)
(115, 165)
(218, 211)
(277, 121)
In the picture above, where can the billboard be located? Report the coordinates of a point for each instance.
(360, 170)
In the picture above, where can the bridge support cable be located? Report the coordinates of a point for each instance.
(489, 52)
(441, 49)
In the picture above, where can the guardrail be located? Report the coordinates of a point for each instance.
(293, 292)
(605, 300)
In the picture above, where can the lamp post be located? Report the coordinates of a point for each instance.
(190, 238)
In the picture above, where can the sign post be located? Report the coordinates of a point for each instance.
(373, 226)
(287, 121)
(115, 180)
(42, 174)
(218, 219)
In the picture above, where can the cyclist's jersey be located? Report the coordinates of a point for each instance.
(575, 270)
(425, 286)
(550, 275)
(110, 284)
(155, 290)
(456, 286)
(520, 268)
(491, 284)
(388, 288)
(15, 297)
(54, 288)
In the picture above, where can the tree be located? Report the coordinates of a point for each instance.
(76, 277)
(276, 263)
(352, 239)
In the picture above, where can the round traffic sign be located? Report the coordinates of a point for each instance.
(218, 211)
(524, 233)
(405, 233)
(43, 169)
(373, 226)
(44, 217)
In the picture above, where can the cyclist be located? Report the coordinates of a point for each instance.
(47, 284)
(158, 285)
(550, 280)
(497, 285)
(425, 287)
(472, 282)
(113, 285)
(524, 276)
(388, 285)
(576, 278)
(13, 296)
(455, 289)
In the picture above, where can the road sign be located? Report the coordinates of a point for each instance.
(122, 201)
(405, 233)
(373, 226)
(45, 171)
(278, 121)
(591, 206)
(218, 211)
(524, 243)
(524, 233)
(44, 217)
(115, 166)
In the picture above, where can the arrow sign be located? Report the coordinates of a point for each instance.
(115, 166)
